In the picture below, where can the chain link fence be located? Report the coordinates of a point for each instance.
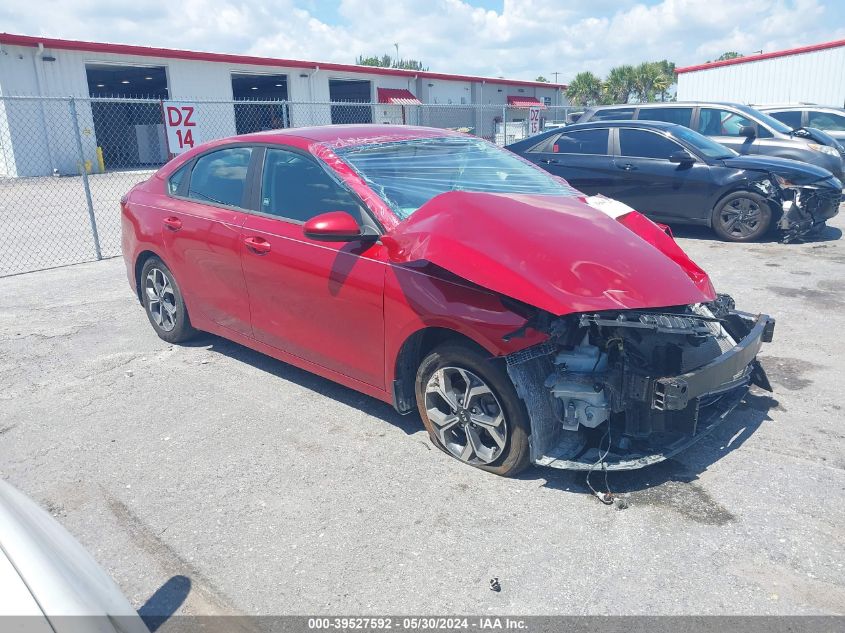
(65, 163)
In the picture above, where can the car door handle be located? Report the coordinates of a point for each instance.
(174, 224)
(627, 167)
(257, 245)
(551, 161)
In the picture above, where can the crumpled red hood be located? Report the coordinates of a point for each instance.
(554, 253)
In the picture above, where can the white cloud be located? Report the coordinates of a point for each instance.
(524, 39)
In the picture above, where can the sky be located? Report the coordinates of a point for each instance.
(517, 39)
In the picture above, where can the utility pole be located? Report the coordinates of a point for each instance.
(396, 46)
(557, 90)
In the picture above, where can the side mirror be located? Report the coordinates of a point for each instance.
(747, 131)
(334, 226)
(681, 157)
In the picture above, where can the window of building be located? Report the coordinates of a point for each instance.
(681, 116)
(120, 80)
(259, 92)
(129, 127)
(646, 144)
(296, 188)
(220, 177)
(350, 91)
(581, 142)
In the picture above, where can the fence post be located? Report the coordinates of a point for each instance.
(91, 218)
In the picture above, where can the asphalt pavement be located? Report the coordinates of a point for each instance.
(277, 492)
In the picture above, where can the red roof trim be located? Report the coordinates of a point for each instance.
(398, 96)
(12, 39)
(517, 101)
(753, 58)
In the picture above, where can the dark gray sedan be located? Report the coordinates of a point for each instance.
(742, 128)
(675, 175)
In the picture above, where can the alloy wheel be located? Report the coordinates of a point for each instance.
(466, 415)
(741, 217)
(161, 299)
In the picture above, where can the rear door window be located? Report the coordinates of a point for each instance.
(613, 114)
(581, 142)
(681, 116)
(645, 144)
(792, 118)
(220, 177)
(826, 120)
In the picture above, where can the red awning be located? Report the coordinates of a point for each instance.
(525, 102)
(397, 96)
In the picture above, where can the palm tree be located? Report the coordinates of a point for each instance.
(651, 79)
(667, 70)
(584, 89)
(619, 85)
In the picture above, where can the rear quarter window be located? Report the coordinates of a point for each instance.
(176, 179)
(681, 116)
(613, 114)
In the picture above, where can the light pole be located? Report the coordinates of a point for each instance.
(557, 90)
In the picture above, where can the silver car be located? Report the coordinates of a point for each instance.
(828, 119)
(742, 128)
(48, 582)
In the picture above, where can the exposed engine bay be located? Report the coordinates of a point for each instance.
(630, 388)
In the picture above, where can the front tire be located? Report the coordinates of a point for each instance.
(471, 411)
(742, 216)
(163, 302)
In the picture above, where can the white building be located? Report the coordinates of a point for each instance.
(810, 74)
(37, 136)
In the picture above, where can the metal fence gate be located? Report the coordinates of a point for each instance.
(65, 163)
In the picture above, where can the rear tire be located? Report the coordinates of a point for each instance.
(489, 429)
(742, 216)
(163, 302)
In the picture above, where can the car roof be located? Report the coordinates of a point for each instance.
(672, 104)
(352, 134)
(303, 137)
(797, 106)
(655, 125)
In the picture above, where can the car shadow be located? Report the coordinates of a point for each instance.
(409, 424)
(828, 234)
(685, 467)
(689, 232)
(165, 602)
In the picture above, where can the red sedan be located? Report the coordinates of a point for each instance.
(435, 271)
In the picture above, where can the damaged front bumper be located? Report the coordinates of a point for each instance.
(598, 394)
(806, 208)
